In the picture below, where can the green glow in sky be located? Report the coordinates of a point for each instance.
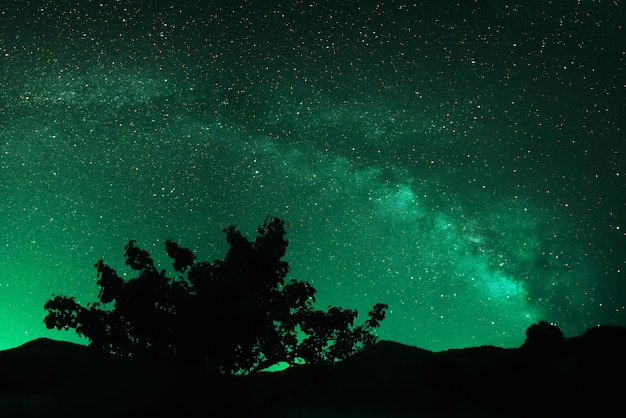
(449, 161)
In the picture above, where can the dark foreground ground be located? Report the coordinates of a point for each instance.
(583, 377)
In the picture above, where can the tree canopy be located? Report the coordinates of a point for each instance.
(236, 315)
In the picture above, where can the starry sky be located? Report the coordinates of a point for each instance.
(461, 162)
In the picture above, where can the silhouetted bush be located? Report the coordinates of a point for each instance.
(234, 316)
(543, 335)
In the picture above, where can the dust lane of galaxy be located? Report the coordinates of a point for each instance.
(463, 164)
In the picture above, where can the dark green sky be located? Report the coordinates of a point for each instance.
(462, 163)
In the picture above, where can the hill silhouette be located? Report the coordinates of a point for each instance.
(582, 377)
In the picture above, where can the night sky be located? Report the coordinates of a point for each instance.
(462, 163)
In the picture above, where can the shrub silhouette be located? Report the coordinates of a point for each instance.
(234, 316)
(543, 335)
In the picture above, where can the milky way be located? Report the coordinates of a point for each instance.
(463, 164)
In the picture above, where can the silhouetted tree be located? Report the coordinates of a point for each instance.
(235, 315)
(543, 335)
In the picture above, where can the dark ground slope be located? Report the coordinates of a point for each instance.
(584, 376)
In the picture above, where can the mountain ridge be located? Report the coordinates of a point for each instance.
(583, 375)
